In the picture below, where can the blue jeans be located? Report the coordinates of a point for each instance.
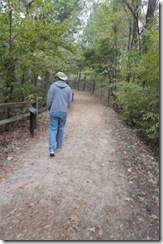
(56, 129)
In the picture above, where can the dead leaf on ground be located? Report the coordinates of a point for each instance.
(128, 199)
(77, 206)
(74, 218)
(23, 185)
(30, 204)
(153, 216)
(92, 229)
(9, 158)
(2, 177)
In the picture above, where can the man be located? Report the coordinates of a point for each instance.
(59, 98)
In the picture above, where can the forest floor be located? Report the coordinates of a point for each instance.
(103, 185)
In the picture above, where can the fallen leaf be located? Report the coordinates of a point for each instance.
(128, 199)
(23, 185)
(153, 216)
(77, 206)
(92, 229)
(47, 226)
(2, 177)
(13, 211)
(9, 158)
(30, 204)
(141, 199)
(73, 218)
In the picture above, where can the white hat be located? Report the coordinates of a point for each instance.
(61, 75)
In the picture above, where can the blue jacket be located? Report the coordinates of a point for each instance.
(59, 97)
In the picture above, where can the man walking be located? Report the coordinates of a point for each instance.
(59, 98)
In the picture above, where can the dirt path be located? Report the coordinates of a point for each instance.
(85, 192)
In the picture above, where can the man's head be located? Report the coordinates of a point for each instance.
(61, 76)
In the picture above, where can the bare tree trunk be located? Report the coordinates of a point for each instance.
(84, 83)
(9, 65)
(46, 81)
(150, 10)
(94, 87)
(79, 77)
(149, 17)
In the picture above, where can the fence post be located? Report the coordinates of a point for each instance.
(36, 112)
(32, 120)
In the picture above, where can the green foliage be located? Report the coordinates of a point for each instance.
(30, 91)
(139, 108)
(34, 41)
(118, 45)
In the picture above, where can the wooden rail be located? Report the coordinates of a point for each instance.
(28, 106)
(19, 117)
(16, 104)
(14, 118)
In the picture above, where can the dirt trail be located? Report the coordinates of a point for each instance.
(84, 193)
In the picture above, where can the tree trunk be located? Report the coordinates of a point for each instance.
(79, 77)
(150, 10)
(94, 86)
(149, 17)
(84, 83)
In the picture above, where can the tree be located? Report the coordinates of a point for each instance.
(121, 45)
(36, 37)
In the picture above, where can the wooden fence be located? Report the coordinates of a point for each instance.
(24, 110)
(19, 111)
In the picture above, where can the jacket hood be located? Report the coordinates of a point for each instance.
(61, 84)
